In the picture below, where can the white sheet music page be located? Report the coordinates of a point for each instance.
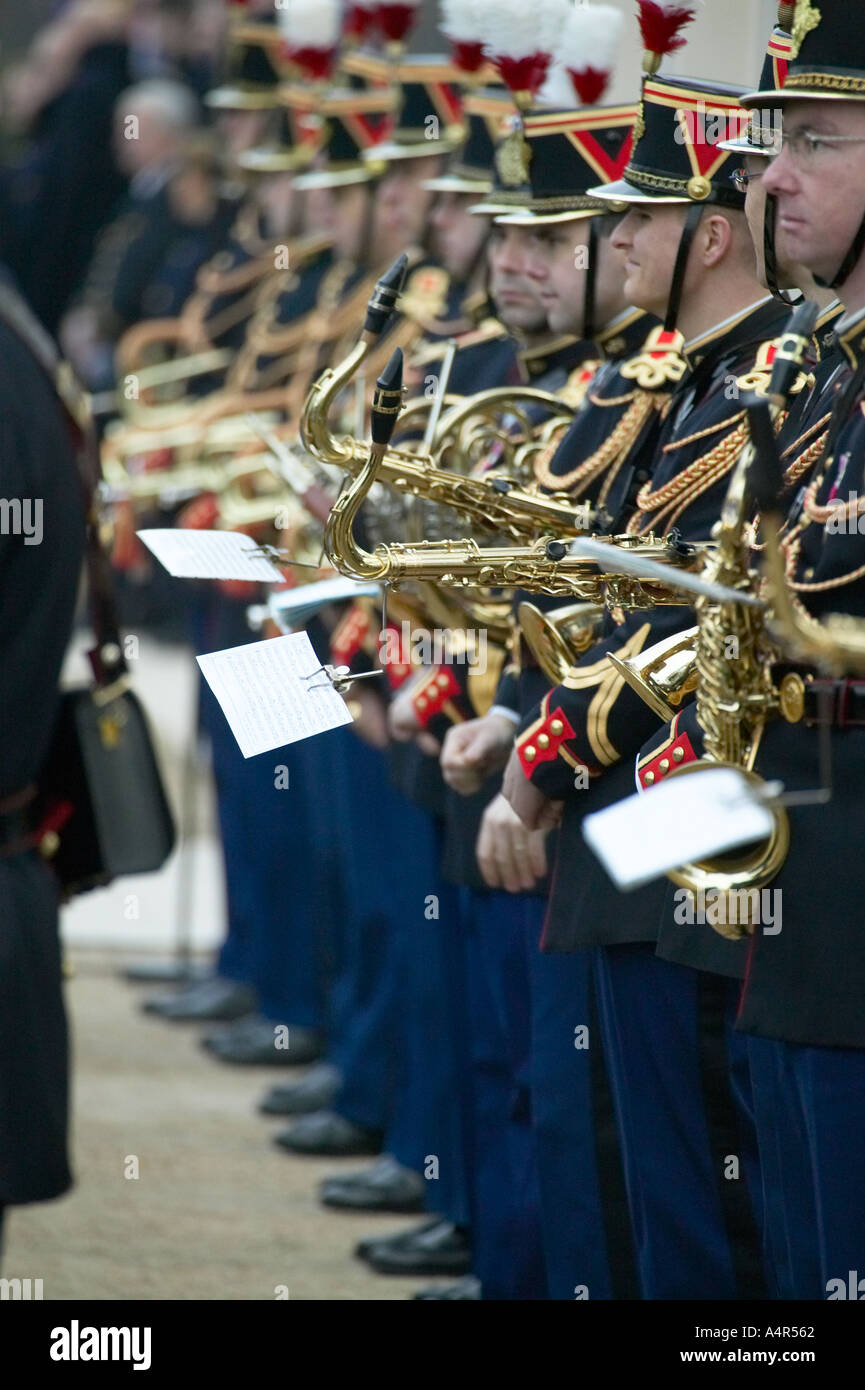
(210, 555)
(675, 823)
(270, 695)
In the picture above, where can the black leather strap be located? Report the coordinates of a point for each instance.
(589, 293)
(695, 212)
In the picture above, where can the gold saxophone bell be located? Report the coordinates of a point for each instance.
(737, 875)
(663, 674)
(557, 639)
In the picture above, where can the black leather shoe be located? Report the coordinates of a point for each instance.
(363, 1247)
(258, 1042)
(386, 1186)
(329, 1135)
(442, 1248)
(317, 1090)
(216, 1000)
(461, 1291)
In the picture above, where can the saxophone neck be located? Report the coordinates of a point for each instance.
(340, 542)
(315, 431)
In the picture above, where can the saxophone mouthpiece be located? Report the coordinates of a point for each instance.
(791, 350)
(387, 401)
(766, 474)
(383, 299)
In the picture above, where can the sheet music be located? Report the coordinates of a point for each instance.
(675, 823)
(209, 555)
(265, 696)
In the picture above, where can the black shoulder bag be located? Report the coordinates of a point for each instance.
(101, 806)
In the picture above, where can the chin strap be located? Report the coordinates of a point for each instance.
(770, 260)
(695, 212)
(589, 293)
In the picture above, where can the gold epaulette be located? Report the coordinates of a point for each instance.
(424, 295)
(573, 392)
(758, 378)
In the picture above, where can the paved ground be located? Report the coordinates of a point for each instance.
(217, 1212)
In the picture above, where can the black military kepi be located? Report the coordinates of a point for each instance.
(506, 188)
(761, 138)
(469, 168)
(292, 144)
(828, 64)
(428, 91)
(252, 76)
(351, 126)
(678, 158)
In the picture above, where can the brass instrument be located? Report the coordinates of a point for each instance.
(730, 663)
(558, 639)
(493, 503)
(472, 428)
(544, 566)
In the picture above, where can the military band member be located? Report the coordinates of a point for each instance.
(804, 985)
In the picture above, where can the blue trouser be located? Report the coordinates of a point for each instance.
(427, 1132)
(790, 1230)
(810, 1108)
(506, 1233)
(278, 848)
(384, 900)
(571, 1204)
(666, 1105)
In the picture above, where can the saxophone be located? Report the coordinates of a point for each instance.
(730, 663)
(545, 565)
(492, 503)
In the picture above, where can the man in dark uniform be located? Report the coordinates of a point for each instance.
(805, 985)
(689, 259)
(40, 570)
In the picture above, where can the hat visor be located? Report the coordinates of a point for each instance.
(452, 183)
(336, 178)
(624, 192)
(490, 208)
(524, 217)
(271, 161)
(744, 147)
(392, 151)
(754, 100)
(239, 99)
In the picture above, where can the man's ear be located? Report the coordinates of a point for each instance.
(716, 238)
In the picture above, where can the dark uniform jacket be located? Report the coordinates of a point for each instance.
(806, 982)
(585, 731)
(800, 442)
(38, 584)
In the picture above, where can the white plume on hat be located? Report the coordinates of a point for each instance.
(590, 37)
(311, 23)
(465, 21)
(519, 28)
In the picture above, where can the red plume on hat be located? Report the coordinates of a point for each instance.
(586, 48)
(397, 20)
(661, 23)
(311, 30)
(360, 21)
(522, 37)
(463, 24)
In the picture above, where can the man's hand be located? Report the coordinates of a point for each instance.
(474, 750)
(509, 856)
(536, 811)
(404, 725)
(370, 721)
